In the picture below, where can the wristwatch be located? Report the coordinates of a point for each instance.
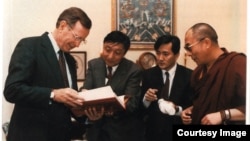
(52, 95)
(176, 109)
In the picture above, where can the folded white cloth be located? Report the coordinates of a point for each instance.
(166, 107)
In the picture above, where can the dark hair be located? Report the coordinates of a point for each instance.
(204, 30)
(72, 15)
(165, 39)
(118, 37)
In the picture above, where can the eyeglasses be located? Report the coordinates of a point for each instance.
(77, 38)
(188, 47)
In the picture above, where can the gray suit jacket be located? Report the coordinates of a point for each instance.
(33, 72)
(125, 125)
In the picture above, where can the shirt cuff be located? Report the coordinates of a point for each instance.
(146, 103)
(52, 95)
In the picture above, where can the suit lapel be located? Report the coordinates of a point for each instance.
(50, 55)
(158, 77)
(100, 72)
(177, 83)
(122, 70)
(157, 80)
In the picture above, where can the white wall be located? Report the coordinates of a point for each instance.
(228, 17)
(22, 18)
(1, 54)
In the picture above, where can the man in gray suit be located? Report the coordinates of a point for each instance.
(35, 83)
(163, 105)
(126, 77)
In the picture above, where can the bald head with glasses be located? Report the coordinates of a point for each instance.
(201, 44)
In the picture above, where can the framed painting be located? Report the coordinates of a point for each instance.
(142, 20)
(81, 63)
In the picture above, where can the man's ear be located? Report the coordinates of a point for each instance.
(208, 42)
(62, 25)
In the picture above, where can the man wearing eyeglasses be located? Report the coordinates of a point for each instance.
(42, 92)
(219, 80)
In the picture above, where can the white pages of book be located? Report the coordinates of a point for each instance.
(105, 92)
(98, 93)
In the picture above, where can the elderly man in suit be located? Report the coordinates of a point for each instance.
(125, 80)
(41, 91)
(163, 103)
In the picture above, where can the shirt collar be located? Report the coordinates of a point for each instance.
(113, 68)
(171, 71)
(53, 41)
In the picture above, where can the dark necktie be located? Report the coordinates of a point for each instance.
(63, 68)
(109, 74)
(165, 89)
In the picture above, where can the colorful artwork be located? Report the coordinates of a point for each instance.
(144, 20)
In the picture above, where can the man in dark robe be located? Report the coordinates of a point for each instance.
(219, 81)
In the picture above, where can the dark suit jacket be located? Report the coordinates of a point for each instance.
(33, 72)
(158, 125)
(123, 126)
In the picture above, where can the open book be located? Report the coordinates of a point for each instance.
(103, 97)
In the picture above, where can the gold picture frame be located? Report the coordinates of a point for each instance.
(147, 60)
(81, 63)
(142, 30)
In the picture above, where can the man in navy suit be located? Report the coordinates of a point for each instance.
(162, 108)
(35, 81)
(126, 76)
